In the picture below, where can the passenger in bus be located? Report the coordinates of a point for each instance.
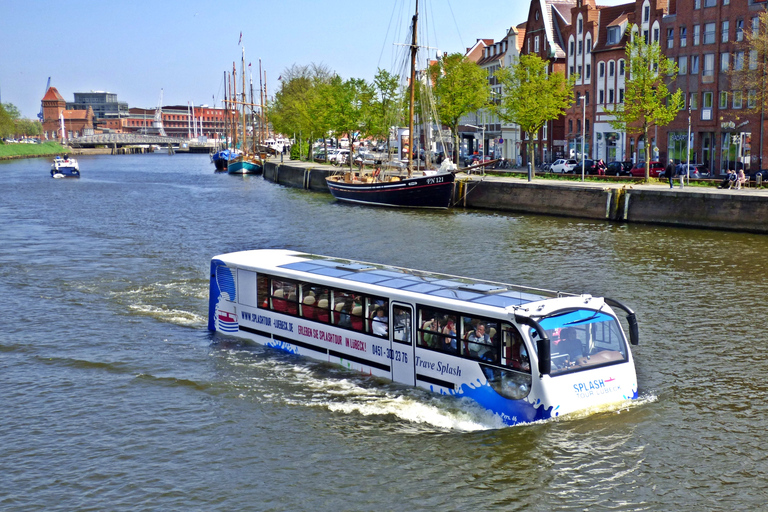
(432, 325)
(571, 346)
(344, 319)
(478, 340)
(380, 322)
(449, 341)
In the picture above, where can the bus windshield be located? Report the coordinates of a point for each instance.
(583, 338)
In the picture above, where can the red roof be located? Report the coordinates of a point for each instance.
(52, 95)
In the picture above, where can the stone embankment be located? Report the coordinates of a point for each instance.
(655, 203)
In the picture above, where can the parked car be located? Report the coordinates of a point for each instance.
(617, 168)
(691, 170)
(562, 165)
(656, 171)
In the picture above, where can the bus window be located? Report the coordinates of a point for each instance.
(343, 303)
(291, 298)
(377, 310)
(262, 291)
(430, 331)
(401, 324)
(480, 339)
(310, 298)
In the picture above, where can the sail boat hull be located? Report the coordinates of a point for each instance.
(430, 191)
(244, 165)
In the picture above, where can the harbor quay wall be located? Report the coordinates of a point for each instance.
(299, 176)
(708, 208)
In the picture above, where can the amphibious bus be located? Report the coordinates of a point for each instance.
(526, 354)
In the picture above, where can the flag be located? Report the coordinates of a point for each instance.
(241, 38)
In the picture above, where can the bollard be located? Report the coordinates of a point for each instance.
(759, 179)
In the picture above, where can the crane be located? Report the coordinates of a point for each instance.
(40, 115)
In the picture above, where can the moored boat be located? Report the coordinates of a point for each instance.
(244, 164)
(429, 190)
(65, 167)
(414, 189)
(222, 158)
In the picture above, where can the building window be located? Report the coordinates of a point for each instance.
(611, 69)
(752, 59)
(655, 35)
(570, 126)
(580, 25)
(707, 99)
(588, 45)
(578, 125)
(682, 67)
(610, 96)
(683, 37)
(570, 70)
(613, 35)
(580, 46)
(570, 48)
(710, 3)
(709, 65)
(709, 33)
(601, 69)
(739, 30)
(697, 4)
(724, 61)
(694, 65)
(578, 70)
(751, 98)
(600, 96)
(738, 61)
(646, 13)
(693, 101)
(586, 98)
(670, 38)
(736, 99)
(536, 44)
(723, 99)
(588, 72)
(621, 95)
(696, 34)
(755, 26)
(724, 32)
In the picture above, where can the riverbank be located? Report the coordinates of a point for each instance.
(618, 200)
(13, 151)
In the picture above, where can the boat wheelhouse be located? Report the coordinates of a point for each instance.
(526, 354)
(65, 167)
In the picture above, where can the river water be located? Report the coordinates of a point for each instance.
(114, 396)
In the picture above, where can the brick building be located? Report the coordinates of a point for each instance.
(75, 122)
(705, 38)
(546, 27)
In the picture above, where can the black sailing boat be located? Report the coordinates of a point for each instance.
(419, 189)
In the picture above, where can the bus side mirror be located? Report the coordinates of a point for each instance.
(545, 355)
(634, 332)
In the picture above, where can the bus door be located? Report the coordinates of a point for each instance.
(401, 344)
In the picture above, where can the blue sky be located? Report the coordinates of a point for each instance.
(137, 48)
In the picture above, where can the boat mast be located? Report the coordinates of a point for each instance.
(262, 138)
(245, 133)
(234, 103)
(412, 86)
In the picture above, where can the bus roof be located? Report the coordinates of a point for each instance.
(476, 291)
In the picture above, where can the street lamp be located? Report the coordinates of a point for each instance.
(583, 99)
(688, 148)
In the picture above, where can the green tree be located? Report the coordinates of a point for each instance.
(460, 86)
(388, 87)
(647, 98)
(7, 126)
(300, 105)
(353, 109)
(531, 96)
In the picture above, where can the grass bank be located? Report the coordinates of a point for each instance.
(8, 151)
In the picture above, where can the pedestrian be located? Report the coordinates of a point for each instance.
(681, 174)
(669, 172)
